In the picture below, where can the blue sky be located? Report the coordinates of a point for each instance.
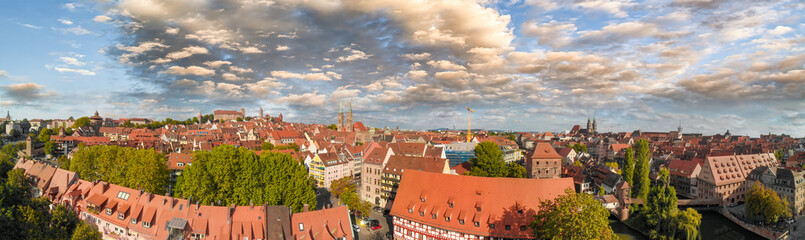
(531, 65)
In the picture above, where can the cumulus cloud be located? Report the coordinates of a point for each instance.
(65, 21)
(354, 54)
(101, 18)
(554, 34)
(3, 73)
(77, 30)
(191, 70)
(282, 48)
(445, 65)
(305, 76)
(26, 93)
(187, 52)
(71, 61)
(312, 99)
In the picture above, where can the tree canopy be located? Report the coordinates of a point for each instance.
(138, 169)
(23, 217)
(230, 175)
(572, 216)
(81, 122)
(628, 166)
(345, 190)
(765, 203)
(664, 219)
(641, 170)
(579, 148)
(488, 162)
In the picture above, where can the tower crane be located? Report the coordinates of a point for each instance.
(469, 123)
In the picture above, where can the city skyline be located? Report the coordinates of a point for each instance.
(524, 65)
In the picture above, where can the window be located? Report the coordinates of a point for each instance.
(477, 224)
(421, 213)
(492, 226)
(301, 227)
(134, 220)
(410, 210)
(461, 221)
(146, 224)
(180, 164)
(508, 227)
(447, 219)
(522, 228)
(123, 195)
(120, 216)
(108, 211)
(433, 216)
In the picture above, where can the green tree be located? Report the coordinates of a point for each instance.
(765, 203)
(267, 146)
(44, 135)
(333, 127)
(82, 122)
(49, 147)
(230, 175)
(628, 166)
(139, 169)
(85, 231)
(512, 137)
(15, 134)
(64, 163)
(515, 170)
(779, 154)
(488, 161)
(579, 148)
(577, 163)
(63, 222)
(665, 176)
(664, 220)
(641, 171)
(292, 146)
(10, 150)
(127, 124)
(614, 166)
(572, 216)
(239, 119)
(342, 185)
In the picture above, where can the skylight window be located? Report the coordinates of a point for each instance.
(123, 195)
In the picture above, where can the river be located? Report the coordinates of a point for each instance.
(714, 226)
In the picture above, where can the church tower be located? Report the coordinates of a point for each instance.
(261, 113)
(348, 123)
(589, 124)
(595, 125)
(340, 124)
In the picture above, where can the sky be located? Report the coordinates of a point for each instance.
(524, 65)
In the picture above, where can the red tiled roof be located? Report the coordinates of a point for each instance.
(544, 151)
(498, 199)
(397, 164)
(325, 224)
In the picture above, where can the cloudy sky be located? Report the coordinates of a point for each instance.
(536, 65)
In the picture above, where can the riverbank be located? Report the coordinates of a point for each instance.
(714, 226)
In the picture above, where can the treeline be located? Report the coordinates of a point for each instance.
(24, 217)
(138, 169)
(229, 175)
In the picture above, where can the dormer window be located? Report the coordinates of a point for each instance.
(461, 221)
(108, 211)
(120, 216)
(134, 220)
(491, 226)
(301, 227)
(508, 227)
(446, 219)
(477, 224)
(433, 216)
(522, 228)
(146, 224)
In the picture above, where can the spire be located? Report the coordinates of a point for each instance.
(8, 115)
(350, 105)
(679, 128)
(340, 106)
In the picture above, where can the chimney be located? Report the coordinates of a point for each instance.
(229, 212)
(305, 207)
(251, 205)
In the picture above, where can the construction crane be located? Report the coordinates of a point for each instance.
(469, 123)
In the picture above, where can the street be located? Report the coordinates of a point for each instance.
(378, 234)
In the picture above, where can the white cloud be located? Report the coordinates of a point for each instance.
(282, 48)
(216, 64)
(191, 70)
(231, 77)
(77, 30)
(187, 52)
(445, 65)
(553, 33)
(71, 6)
(417, 57)
(171, 30)
(354, 55)
(71, 70)
(308, 76)
(30, 26)
(71, 61)
(780, 30)
(251, 50)
(3, 73)
(65, 21)
(101, 18)
(307, 99)
(240, 70)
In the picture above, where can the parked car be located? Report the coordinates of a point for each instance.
(377, 209)
(389, 235)
(356, 228)
(376, 224)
